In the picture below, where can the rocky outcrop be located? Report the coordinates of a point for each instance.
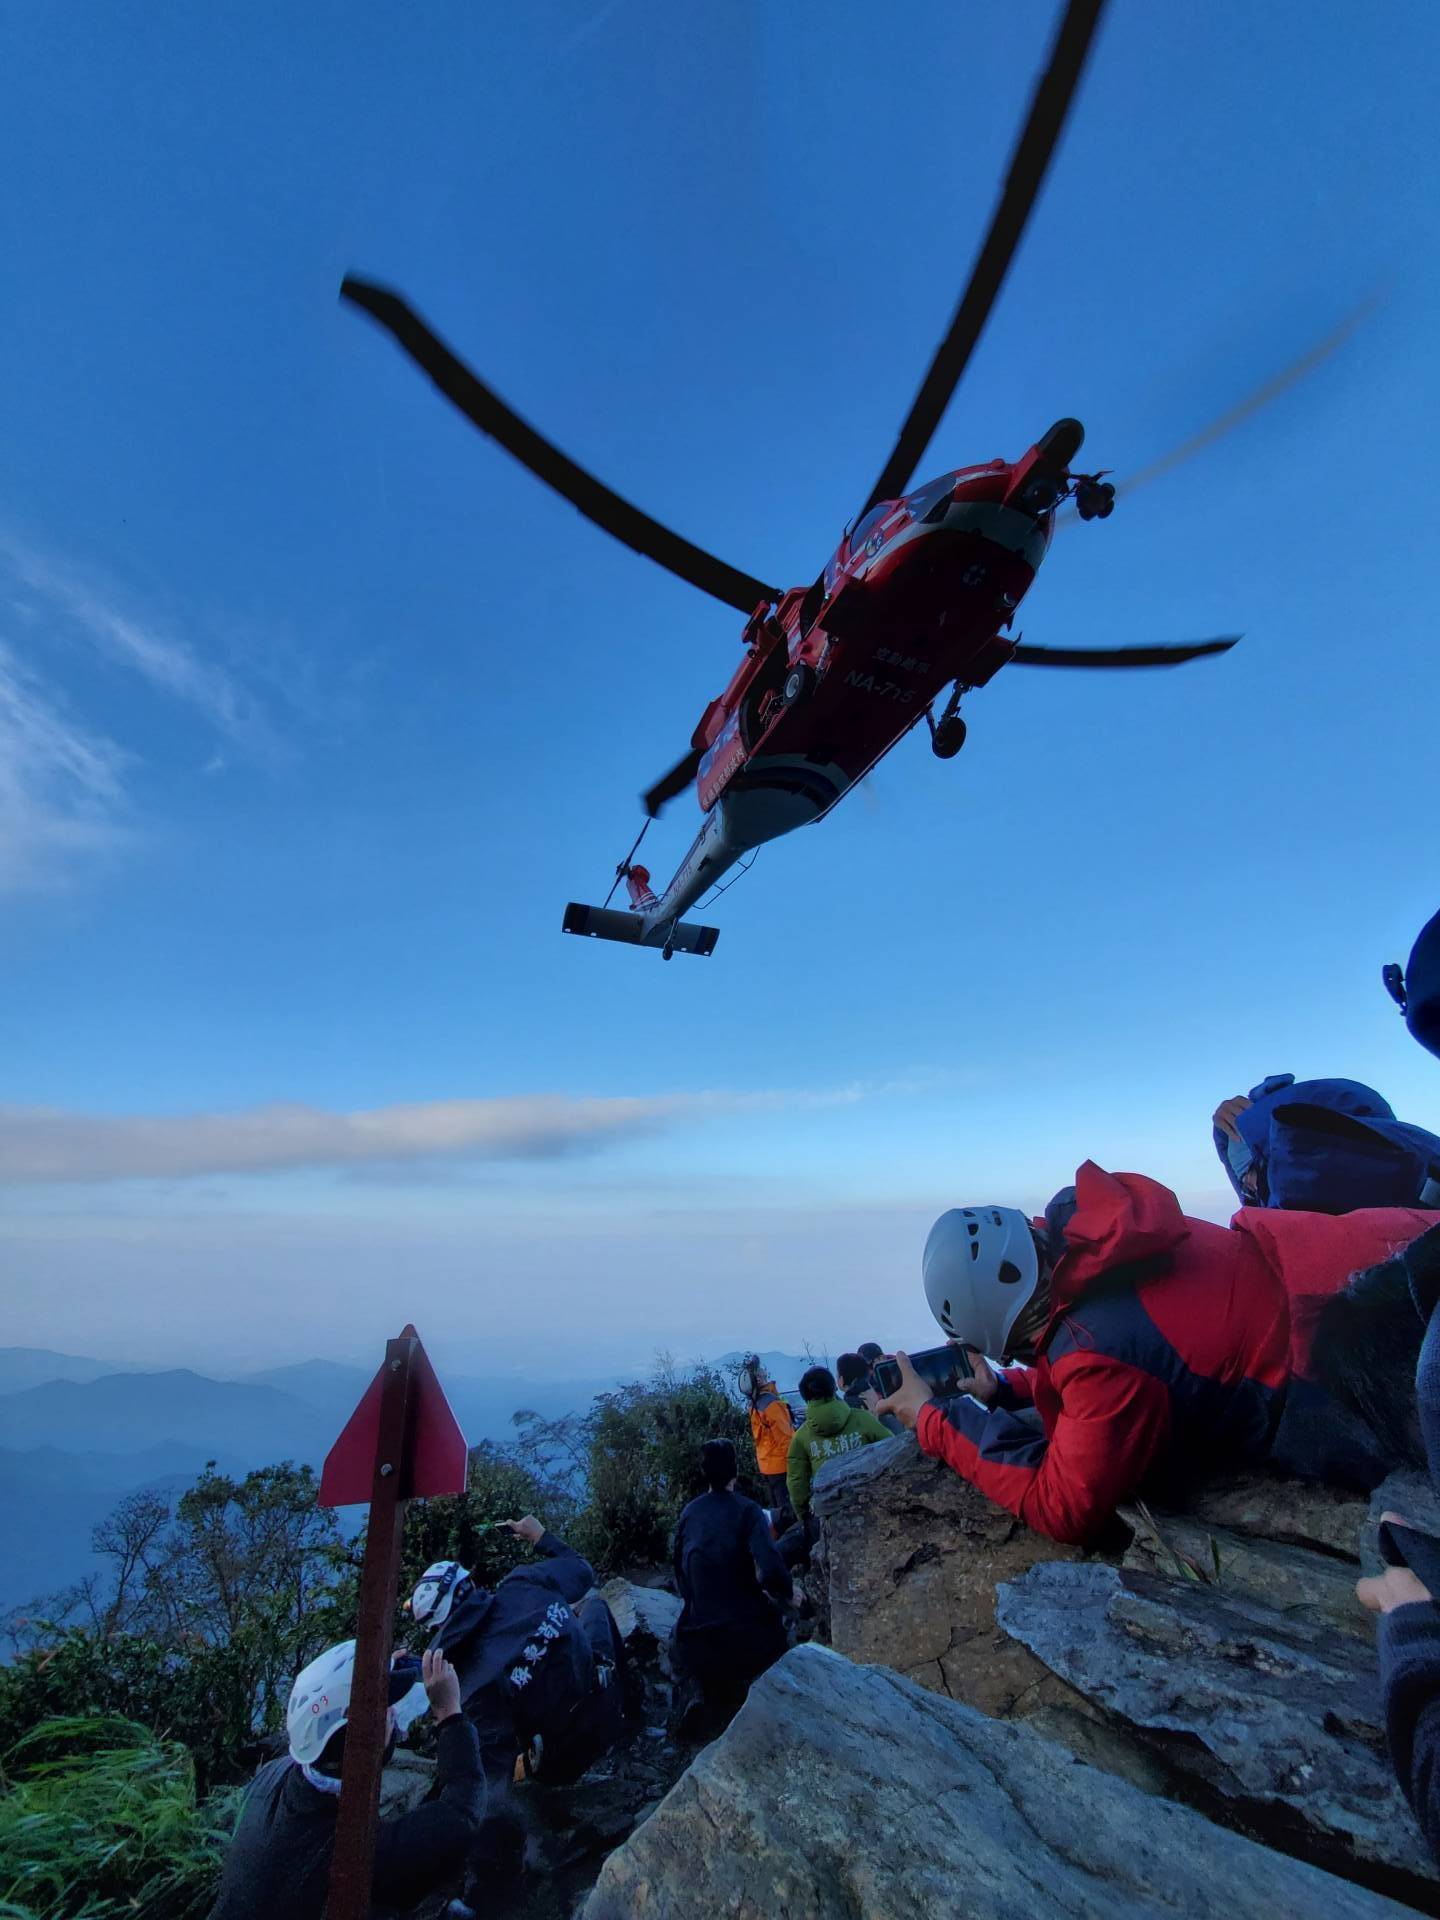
(841, 1791)
(907, 1566)
(1226, 1663)
(1270, 1721)
(646, 1616)
(905, 1575)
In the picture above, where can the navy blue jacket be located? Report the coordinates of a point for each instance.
(1410, 1636)
(519, 1650)
(1328, 1146)
(726, 1563)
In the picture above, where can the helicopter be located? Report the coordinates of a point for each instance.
(918, 597)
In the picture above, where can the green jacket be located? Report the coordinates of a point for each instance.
(831, 1428)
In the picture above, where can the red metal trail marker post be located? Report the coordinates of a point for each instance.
(401, 1442)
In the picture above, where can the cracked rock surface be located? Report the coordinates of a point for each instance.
(1272, 1720)
(842, 1792)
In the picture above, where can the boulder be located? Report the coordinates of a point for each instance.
(404, 1783)
(1270, 1722)
(1294, 1581)
(908, 1562)
(1296, 1513)
(644, 1615)
(841, 1790)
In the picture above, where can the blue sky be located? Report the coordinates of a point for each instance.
(315, 710)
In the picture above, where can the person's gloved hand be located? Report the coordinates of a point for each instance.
(1228, 1113)
(442, 1685)
(527, 1529)
(1396, 1586)
(913, 1395)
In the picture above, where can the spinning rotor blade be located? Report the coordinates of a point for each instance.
(1168, 656)
(594, 499)
(1028, 164)
(1237, 415)
(675, 781)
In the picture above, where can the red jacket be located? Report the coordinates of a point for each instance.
(1168, 1351)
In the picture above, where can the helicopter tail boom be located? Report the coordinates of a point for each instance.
(639, 929)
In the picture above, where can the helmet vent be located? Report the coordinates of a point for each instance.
(996, 1218)
(974, 1249)
(1009, 1273)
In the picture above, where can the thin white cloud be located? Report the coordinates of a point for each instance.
(63, 798)
(43, 1144)
(61, 787)
(167, 662)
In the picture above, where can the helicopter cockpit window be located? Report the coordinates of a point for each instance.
(925, 498)
(867, 526)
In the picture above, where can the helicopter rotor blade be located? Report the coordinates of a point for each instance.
(594, 499)
(1163, 656)
(1253, 402)
(1049, 107)
(674, 782)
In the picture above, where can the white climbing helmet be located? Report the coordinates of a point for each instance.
(320, 1702)
(436, 1592)
(980, 1267)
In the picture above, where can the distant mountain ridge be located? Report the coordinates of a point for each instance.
(74, 1442)
(122, 1413)
(22, 1367)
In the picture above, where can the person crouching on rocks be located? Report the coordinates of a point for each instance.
(733, 1584)
(543, 1677)
(278, 1863)
(1153, 1347)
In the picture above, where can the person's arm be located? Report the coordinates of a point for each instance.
(1409, 1643)
(778, 1423)
(1114, 1423)
(422, 1849)
(568, 1572)
(1014, 1387)
(773, 1574)
(797, 1476)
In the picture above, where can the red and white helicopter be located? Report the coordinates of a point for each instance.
(918, 597)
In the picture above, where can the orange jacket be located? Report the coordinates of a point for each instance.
(773, 1429)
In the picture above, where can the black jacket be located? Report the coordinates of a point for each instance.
(521, 1654)
(278, 1865)
(726, 1563)
(1409, 1636)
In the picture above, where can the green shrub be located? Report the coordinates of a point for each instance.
(99, 1818)
(643, 1463)
(497, 1487)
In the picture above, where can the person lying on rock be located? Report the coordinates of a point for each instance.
(1154, 1348)
(278, 1863)
(1324, 1146)
(733, 1583)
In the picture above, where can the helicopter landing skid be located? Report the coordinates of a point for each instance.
(609, 923)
